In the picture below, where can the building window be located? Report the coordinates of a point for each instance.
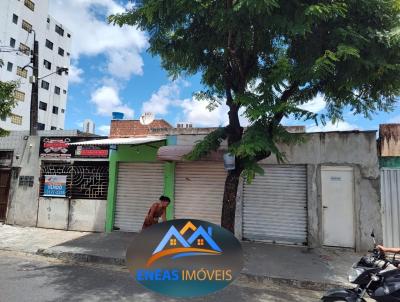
(15, 19)
(48, 20)
(27, 26)
(57, 90)
(69, 35)
(64, 91)
(62, 110)
(55, 109)
(68, 54)
(61, 51)
(12, 42)
(16, 119)
(24, 49)
(19, 96)
(43, 106)
(29, 4)
(53, 128)
(45, 85)
(200, 242)
(40, 126)
(59, 30)
(49, 44)
(22, 72)
(47, 64)
(9, 66)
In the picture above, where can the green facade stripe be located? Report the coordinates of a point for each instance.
(169, 180)
(389, 162)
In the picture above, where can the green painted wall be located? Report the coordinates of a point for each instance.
(389, 162)
(139, 153)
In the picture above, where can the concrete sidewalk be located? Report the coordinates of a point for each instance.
(295, 266)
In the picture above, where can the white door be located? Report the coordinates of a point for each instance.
(275, 205)
(139, 185)
(338, 206)
(199, 190)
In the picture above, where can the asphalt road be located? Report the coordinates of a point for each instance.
(25, 277)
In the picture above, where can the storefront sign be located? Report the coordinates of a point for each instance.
(185, 258)
(55, 185)
(59, 147)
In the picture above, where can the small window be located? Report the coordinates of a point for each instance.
(45, 85)
(24, 49)
(40, 126)
(15, 19)
(49, 44)
(22, 72)
(53, 128)
(29, 4)
(19, 96)
(61, 51)
(47, 64)
(57, 90)
(48, 20)
(64, 91)
(12, 42)
(55, 109)
(43, 106)
(27, 26)
(59, 30)
(69, 35)
(62, 110)
(68, 54)
(16, 119)
(9, 66)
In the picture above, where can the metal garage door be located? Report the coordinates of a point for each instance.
(275, 205)
(199, 190)
(139, 185)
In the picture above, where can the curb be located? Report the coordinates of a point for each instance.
(256, 280)
(80, 257)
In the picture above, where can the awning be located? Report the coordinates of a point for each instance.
(177, 153)
(122, 141)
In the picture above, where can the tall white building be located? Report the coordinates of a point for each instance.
(17, 18)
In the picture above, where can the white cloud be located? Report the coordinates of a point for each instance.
(92, 35)
(394, 120)
(339, 126)
(104, 130)
(75, 74)
(161, 100)
(107, 100)
(316, 105)
(196, 112)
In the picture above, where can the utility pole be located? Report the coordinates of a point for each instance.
(35, 87)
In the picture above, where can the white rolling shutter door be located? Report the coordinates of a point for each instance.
(275, 205)
(139, 185)
(199, 190)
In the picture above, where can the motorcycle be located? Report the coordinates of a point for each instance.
(374, 276)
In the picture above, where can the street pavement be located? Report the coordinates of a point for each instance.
(34, 278)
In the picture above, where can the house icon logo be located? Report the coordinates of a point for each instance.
(187, 242)
(185, 258)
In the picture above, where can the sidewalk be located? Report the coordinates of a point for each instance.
(295, 266)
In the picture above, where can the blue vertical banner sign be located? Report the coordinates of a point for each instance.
(55, 185)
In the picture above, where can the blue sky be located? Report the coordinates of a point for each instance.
(111, 71)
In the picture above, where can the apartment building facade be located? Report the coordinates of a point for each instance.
(19, 20)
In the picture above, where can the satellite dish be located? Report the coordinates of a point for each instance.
(147, 118)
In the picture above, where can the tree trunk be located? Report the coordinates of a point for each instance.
(229, 201)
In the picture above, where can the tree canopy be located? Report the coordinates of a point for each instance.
(7, 99)
(267, 57)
